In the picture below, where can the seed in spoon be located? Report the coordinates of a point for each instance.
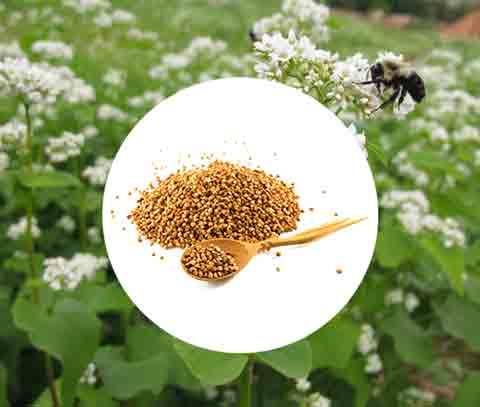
(208, 261)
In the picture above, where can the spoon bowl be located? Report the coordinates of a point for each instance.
(243, 252)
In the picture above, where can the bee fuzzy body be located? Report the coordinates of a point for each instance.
(400, 78)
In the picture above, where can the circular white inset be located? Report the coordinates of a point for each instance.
(274, 301)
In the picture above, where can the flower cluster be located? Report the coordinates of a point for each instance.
(109, 112)
(149, 98)
(85, 6)
(53, 50)
(115, 77)
(63, 274)
(66, 223)
(302, 16)
(414, 214)
(334, 82)
(18, 230)
(4, 161)
(398, 297)
(42, 83)
(303, 385)
(12, 132)
(367, 345)
(199, 48)
(11, 50)
(415, 397)
(97, 174)
(60, 149)
(141, 35)
(89, 375)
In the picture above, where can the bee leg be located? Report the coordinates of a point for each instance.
(389, 101)
(402, 96)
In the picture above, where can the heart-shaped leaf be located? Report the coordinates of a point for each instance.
(71, 334)
(334, 344)
(212, 368)
(294, 360)
(411, 342)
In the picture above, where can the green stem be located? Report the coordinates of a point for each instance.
(29, 233)
(82, 213)
(31, 249)
(245, 385)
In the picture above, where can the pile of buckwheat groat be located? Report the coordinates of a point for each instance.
(220, 200)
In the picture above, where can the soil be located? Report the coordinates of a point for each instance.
(467, 26)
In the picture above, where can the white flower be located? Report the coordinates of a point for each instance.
(394, 297)
(11, 50)
(42, 83)
(411, 302)
(374, 364)
(84, 6)
(62, 274)
(414, 214)
(303, 384)
(139, 35)
(94, 234)
(123, 16)
(53, 50)
(211, 393)
(467, 134)
(4, 161)
(13, 132)
(89, 375)
(149, 98)
(103, 20)
(317, 400)
(18, 230)
(67, 223)
(115, 77)
(109, 112)
(60, 149)
(367, 341)
(97, 174)
(415, 396)
(89, 132)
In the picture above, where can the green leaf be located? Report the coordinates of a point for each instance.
(450, 260)
(123, 380)
(149, 364)
(394, 246)
(355, 375)
(334, 344)
(212, 368)
(294, 360)
(472, 289)
(48, 179)
(107, 298)
(71, 334)
(411, 342)
(144, 341)
(91, 396)
(468, 393)
(460, 319)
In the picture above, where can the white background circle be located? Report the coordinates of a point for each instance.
(285, 132)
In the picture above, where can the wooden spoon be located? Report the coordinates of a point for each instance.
(243, 252)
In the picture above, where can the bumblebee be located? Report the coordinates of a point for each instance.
(400, 78)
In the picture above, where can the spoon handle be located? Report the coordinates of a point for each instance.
(313, 234)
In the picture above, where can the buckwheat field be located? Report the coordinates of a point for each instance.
(75, 77)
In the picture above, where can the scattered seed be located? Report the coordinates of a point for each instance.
(277, 269)
(278, 254)
(339, 271)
